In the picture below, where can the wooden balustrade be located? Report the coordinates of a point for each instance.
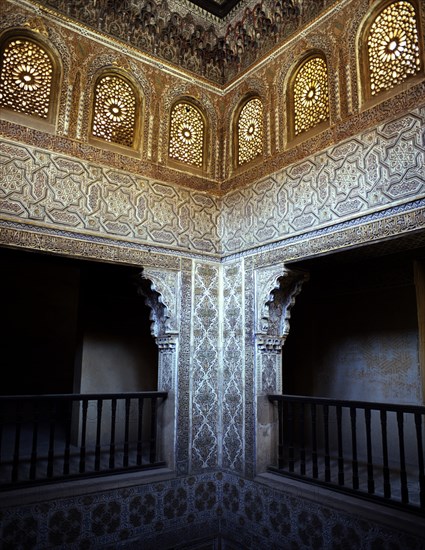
(56, 437)
(374, 450)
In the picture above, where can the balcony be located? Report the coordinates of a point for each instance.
(371, 450)
(58, 437)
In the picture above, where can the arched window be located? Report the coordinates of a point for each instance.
(392, 44)
(250, 131)
(187, 134)
(115, 110)
(26, 78)
(310, 95)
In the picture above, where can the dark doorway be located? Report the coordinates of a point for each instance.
(354, 328)
(55, 308)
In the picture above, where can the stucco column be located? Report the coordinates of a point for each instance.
(276, 288)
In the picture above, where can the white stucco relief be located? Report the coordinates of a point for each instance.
(276, 288)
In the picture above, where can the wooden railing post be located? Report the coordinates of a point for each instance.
(112, 440)
(354, 461)
(139, 431)
(386, 470)
(98, 434)
(370, 480)
(152, 452)
(280, 450)
(421, 472)
(33, 465)
(15, 469)
(403, 474)
(340, 445)
(314, 446)
(85, 404)
(302, 439)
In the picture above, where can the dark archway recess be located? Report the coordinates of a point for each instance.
(359, 315)
(49, 307)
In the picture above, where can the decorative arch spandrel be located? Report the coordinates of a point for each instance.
(66, 52)
(276, 288)
(161, 290)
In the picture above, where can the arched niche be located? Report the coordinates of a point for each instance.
(117, 110)
(248, 131)
(390, 55)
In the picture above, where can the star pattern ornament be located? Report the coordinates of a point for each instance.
(114, 110)
(311, 94)
(186, 134)
(393, 47)
(26, 78)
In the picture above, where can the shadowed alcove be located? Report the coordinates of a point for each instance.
(359, 313)
(73, 326)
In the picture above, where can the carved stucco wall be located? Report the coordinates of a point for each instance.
(67, 197)
(205, 366)
(366, 188)
(234, 380)
(83, 58)
(83, 54)
(379, 168)
(55, 191)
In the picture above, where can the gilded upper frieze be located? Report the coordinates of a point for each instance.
(83, 59)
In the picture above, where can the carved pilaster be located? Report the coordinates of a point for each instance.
(167, 362)
(269, 344)
(167, 343)
(269, 372)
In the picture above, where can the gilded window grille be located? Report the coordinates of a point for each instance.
(393, 47)
(114, 112)
(310, 95)
(250, 131)
(26, 78)
(186, 135)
